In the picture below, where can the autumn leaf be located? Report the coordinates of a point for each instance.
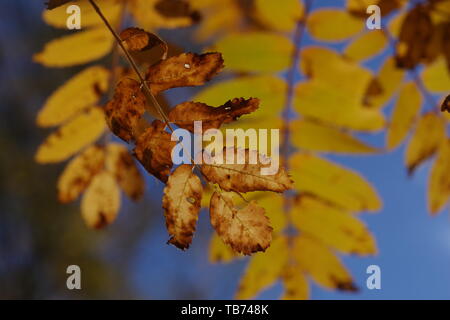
(138, 39)
(181, 203)
(153, 150)
(246, 230)
(219, 252)
(439, 184)
(184, 114)
(186, 69)
(244, 177)
(295, 284)
(79, 173)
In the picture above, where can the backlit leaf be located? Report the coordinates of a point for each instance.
(279, 17)
(436, 77)
(295, 284)
(367, 45)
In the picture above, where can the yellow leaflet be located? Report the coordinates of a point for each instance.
(81, 131)
(77, 48)
(79, 172)
(274, 205)
(436, 77)
(428, 135)
(439, 181)
(367, 45)
(405, 113)
(333, 25)
(219, 252)
(101, 201)
(388, 79)
(333, 183)
(326, 103)
(122, 165)
(279, 17)
(296, 286)
(58, 16)
(321, 264)
(81, 91)
(313, 136)
(264, 269)
(332, 226)
(255, 51)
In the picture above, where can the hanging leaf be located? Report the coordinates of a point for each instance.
(367, 45)
(436, 77)
(137, 39)
(439, 182)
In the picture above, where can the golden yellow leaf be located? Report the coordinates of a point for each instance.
(333, 183)
(428, 135)
(332, 226)
(181, 203)
(78, 48)
(219, 252)
(246, 229)
(269, 52)
(404, 115)
(122, 165)
(439, 181)
(296, 286)
(273, 203)
(101, 201)
(110, 8)
(73, 136)
(279, 17)
(79, 173)
(436, 77)
(81, 91)
(366, 46)
(319, 262)
(333, 25)
(264, 269)
(314, 136)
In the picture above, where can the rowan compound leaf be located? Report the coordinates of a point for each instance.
(264, 269)
(79, 173)
(184, 70)
(428, 135)
(121, 164)
(295, 284)
(125, 110)
(184, 114)
(404, 115)
(137, 39)
(321, 264)
(439, 181)
(367, 45)
(181, 203)
(436, 77)
(332, 226)
(154, 150)
(81, 91)
(282, 18)
(101, 201)
(314, 136)
(333, 183)
(81, 131)
(219, 252)
(58, 17)
(244, 177)
(78, 48)
(333, 25)
(269, 52)
(246, 230)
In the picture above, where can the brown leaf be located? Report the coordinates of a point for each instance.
(52, 4)
(79, 173)
(246, 230)
(186, 69)
(184, 114)
(153, 150)
(138, 39)
(125, 110)
(181, 203)
(446, 104)
(243, 177)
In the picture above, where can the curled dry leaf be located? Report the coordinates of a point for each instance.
(153, 150)
(121, 164)
(184, 70)
(243, 177)
(101, 201)
(246, 230)
(79, 172)
(446, 104)
(125, 110)
(137, 39)
(184, 114)
(181, 203)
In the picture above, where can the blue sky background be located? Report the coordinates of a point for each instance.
(414, 248)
